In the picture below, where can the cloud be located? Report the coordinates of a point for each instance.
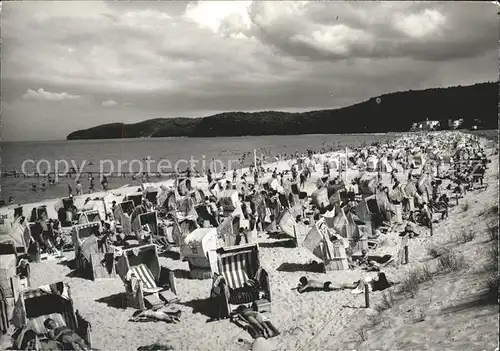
(109, 103)
(420, 25)
(42, 95)
(186, 58)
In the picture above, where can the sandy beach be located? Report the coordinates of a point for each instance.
(310, 321)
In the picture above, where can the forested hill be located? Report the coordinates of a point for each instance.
(476, 104)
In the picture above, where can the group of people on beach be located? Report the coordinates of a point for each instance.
(270, 185)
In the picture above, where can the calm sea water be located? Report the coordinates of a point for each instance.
(173, 149)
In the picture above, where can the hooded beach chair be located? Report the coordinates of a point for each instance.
(123, 215)
(236, 268)
(35, 305)
(151, 193)
(183, 185)
(90, 254)
(136, 198)
(14, 276)
(147, 284)
(89, 216)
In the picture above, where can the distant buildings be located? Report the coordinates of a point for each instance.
(425, 125)
(435, 125)
(455, 123)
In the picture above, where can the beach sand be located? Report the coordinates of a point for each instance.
(310, 321)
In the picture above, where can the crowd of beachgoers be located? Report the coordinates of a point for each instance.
(353, 210)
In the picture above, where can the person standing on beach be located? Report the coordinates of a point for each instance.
(78, 188)
(91, 186)
(104, 183)
(209, 176)
(70, 190)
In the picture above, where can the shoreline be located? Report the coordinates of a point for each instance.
(196, 181)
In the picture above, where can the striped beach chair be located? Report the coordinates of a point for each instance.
(235, 266)
(147, 284)
(36, 305)
(144, 274)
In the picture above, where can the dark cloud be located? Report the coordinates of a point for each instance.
(127, 61)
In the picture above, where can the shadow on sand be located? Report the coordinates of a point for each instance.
(484, 299)
(171, 254)
(182, 274)
(313, 267)
(115, 301)
(206, 307)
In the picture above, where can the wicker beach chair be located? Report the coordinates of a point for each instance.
(91, 255)
(136, 198)
(35, 305)
(147, 284)
(151, 194)
(89, 217)
(14, 276)
(236, 266)
(123, 213)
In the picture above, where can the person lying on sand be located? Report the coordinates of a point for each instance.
(148, 315)
(65, 335)
(306, 285)
(258, 325)
(377, 284)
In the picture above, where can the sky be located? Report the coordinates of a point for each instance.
(70, 65)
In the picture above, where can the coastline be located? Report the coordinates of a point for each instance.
(200, 182)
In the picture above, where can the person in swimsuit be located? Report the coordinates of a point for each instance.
(65, 335)
(169, 317)
(257, 322)
(306, 285)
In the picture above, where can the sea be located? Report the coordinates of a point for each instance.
(152, 155)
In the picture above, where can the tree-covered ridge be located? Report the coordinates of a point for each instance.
(476, 104)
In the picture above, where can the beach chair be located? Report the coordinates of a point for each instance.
(288, 226)
(150, 220)
(234, 267)
(207, 218)
(147, 284)
(148, 223)
(151, 194)
(35, 305)
(17, 231)
(198, 196)
(171, 201)
(136, 198)
(91, 255)
(123, 215)
(38, 212)
(89, 216)
(13, 278)
(183, 185)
